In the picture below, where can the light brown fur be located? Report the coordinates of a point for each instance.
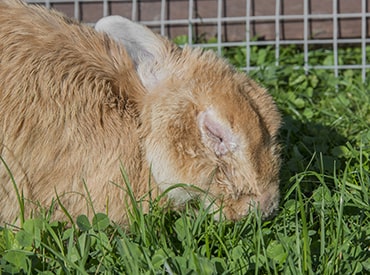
(75, 105)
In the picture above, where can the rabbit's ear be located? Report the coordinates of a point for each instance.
(216, 134)
(143, 46)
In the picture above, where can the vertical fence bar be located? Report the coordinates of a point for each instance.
(190, 24)
(105, 8)
(247, 35)
(305, 35)
(219, 26)
(335, 37)
(277, 32)
(363, 39)
(163, 16)
(77, 10)
(134, 9)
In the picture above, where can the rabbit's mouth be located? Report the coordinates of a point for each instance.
(236, 209)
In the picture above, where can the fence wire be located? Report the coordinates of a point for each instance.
(190, 20)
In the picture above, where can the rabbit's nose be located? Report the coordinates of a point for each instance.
(268, 202)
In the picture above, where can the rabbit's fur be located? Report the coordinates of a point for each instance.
(76, 105)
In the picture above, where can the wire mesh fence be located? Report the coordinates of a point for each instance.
(221, 24)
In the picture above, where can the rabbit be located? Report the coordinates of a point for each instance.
(78, 106)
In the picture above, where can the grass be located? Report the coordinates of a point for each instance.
(322, 226)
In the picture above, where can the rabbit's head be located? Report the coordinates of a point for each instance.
(203, 123)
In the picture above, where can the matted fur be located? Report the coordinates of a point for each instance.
(75, 106)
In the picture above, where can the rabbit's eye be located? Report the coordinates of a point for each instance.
(216, 134)
(213, 135)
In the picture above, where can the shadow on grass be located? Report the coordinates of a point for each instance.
(309, 146)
